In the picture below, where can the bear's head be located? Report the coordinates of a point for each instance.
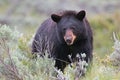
(70, 26)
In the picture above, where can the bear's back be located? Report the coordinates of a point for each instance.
(44, 36)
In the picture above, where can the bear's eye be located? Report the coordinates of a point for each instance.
(73, 28)
(64, 29)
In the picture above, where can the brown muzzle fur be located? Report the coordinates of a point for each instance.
(69, 37)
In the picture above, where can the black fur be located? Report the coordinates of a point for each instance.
(50, 35)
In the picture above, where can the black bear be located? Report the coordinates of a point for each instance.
(65, 33)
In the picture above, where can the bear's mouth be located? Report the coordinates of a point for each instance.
(69, 43)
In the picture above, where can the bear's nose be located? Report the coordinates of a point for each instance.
(68, 40)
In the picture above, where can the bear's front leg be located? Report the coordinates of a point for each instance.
(60, 65)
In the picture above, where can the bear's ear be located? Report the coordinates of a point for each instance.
(80, 15)
(55, 18)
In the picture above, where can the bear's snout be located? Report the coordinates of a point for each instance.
(69, 40)
(69, 37)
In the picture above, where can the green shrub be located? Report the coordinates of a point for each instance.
(15, 65)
